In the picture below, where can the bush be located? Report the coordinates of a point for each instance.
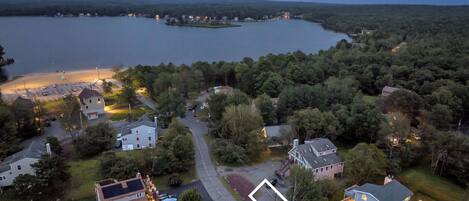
(228, 152)
(190, 195)
(174, 180)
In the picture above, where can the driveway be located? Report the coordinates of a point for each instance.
(55, 130)
(197, 185)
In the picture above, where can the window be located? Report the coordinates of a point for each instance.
(149, 144)
(149, 138)
(317, 170)
(364, 197)
(19, 167)
(327, 168)
(99, 99)
(1, 178)
(86, 107)
(90, 100)
(136, 131)
(137, 139)
(321, 169)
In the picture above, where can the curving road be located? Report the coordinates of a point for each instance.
(203, 164)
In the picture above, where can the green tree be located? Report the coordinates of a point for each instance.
(4, 62)
(182, 153)
(54, 145)
(8, 137)
(128, 96)
(71, 121)
(26, 187)
(273, 85)
(170, 104)
(116, 167)
(365, 161)
(340, 91)
(404, 101)
(175, 129)
(302, 185)
(238, 97)
(25, 115)
(95, 140)
(395, 130)
(241, 125)
(216, 106)
(312, 123)
(364, 121)
(300, 97)
(266, 108)
(441, 116)
(190, 195)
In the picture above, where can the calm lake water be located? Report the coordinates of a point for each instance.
(45, 44)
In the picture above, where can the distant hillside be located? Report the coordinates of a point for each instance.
(135, 2)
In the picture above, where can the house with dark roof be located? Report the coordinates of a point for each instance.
(274, 134)
(127, 190)
(138, 135)
(387, 90)
(318, 155)
(392, 190)
(92, 103)
(20, 163)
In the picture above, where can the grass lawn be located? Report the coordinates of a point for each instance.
(54, 107)
(119, 114)
(84, 175)
(370, 99)
(161, 182)
(235, 194)
(425, 186)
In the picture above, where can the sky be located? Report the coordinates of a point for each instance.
(429, 2)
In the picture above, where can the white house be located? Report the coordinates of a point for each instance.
(92, 103)
(392, 190)
(318, 155)
(20, 163)
(138, 135)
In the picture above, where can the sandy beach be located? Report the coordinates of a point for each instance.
(38, 80)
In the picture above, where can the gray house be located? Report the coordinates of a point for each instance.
(20, 163)
(318, 155)
(392, 190)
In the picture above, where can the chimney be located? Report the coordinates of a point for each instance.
(388, 179)
(48, 149)
(138, 175)
(296, 142)
(156, 122)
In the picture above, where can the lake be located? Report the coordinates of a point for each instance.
(45, 44)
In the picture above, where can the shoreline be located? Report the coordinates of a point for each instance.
(38, 80)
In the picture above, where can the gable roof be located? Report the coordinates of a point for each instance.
(392, 191)
(320, 144)
(127, 129)
(88, 93)
(277, 130)
(33, 150)
(23, 101)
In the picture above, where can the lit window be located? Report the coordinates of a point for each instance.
(407, 199)
(364, 197)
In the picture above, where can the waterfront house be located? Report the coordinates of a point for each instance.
(92, 103)
(138, 135)
(20, 162)
(319, 156)
(392, 190)
(127, 190)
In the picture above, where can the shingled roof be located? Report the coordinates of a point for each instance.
(126, 130)
(88, 93)
(320, 145)
(33, 150)
(392, 191)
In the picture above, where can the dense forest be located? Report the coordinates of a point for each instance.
(422, 50)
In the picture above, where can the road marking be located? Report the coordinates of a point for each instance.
(265, 181)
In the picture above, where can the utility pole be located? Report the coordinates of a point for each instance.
(97, 70)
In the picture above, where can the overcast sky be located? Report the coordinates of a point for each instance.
(433, 2)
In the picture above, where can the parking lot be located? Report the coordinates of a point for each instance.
(52, 92)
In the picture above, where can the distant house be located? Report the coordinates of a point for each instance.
(318, 155)
(128, 190)
(92, 103)
(274, 134)
(20, 163)
(387, 90)
(138, 135)
(222, 90)
(392, 190)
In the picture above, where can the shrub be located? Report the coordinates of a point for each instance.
(228, 152)
(174, 180)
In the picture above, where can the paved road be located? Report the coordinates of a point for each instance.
(205, 169)
(204, 166)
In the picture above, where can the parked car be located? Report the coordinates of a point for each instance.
(44, 93)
